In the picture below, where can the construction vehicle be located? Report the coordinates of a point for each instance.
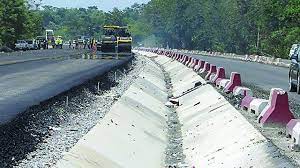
(124, 40)
(115, 39)
(108, 41)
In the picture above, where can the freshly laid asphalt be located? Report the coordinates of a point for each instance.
(27, 83)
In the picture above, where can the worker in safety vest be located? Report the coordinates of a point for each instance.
(58, 42)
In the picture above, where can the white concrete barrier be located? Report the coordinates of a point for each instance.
(223, 83)
(296, 134)
(182, 78)
(258, 105)
(242, 91)
(132, 134)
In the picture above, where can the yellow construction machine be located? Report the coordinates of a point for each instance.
(115, 39)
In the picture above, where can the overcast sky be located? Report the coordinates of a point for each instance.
(105, 5)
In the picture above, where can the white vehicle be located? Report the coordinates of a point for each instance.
(293, 49)
(32, 45)
(21, 45)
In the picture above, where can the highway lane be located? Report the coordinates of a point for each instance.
(261, 75)
(22, 67)
(34, 54)
(29, 83)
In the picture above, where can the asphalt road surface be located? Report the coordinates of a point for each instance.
(26, 82)
(261, 75)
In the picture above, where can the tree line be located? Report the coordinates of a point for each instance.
(17, 21)
(238, 26)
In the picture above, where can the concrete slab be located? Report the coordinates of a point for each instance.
(215, 134)
(132, 134)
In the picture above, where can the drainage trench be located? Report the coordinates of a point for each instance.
(174, 156)
(40, 136)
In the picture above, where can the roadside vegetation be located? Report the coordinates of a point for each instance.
(238, 26)
(17, 21)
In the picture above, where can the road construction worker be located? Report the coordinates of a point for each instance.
(89, 44)
(76, 44)
(85, 43)
(58, 42)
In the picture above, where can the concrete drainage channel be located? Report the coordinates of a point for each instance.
(40, 136)
(174, 151)
(197, 127)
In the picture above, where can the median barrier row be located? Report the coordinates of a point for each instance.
(251, 58)
(275, 110)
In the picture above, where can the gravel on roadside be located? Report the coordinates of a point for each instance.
(40, 136)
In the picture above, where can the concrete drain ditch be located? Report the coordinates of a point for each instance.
(174, 151)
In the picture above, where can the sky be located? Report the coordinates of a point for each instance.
(105, 5)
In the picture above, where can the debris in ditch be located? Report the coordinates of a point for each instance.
(175, 157)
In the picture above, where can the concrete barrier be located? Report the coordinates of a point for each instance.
(188, 61)
(246, 101)
(191, 63)
(205, 68)
(290, 126)
(277, 111)
(235, 80)
(185, 60)
(242, 91)
(296, 135)
(195, 63)
(183, 78)
(222, 83)
(181, 58)
(258, 105)
(212, 70)
(219, 75)
(199, 66)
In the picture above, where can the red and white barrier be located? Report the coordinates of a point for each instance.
(199, 66)
(242, 91)
(222, 83)
(189, 61)
(195, 63)
(205, 68)
(219, 75)
(245, 104)
(186, 58)
(277, 110)
(212, 70)
(235, 80)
